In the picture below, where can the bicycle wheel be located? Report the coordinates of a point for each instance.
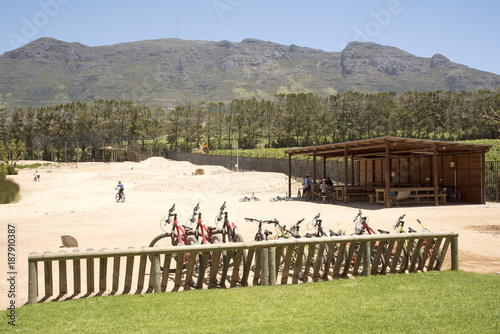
(199, 268)
(162, 241)
(117, 197)
(455, 196)
(123, 197)
(244, 199)
(274, 199)
(222, 266)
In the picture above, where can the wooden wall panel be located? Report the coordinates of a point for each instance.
(404, 171)
(414, 170)
(362, 172)
(378, 172)
(395, 178)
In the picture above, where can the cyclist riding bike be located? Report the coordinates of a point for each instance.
(121, 188)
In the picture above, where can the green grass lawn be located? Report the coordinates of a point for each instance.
(434, 302)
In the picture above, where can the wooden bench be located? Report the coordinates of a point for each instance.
(360, 195)
(403, 196)
(428, 198)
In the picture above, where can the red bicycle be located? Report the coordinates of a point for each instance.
(178, 235)
(354, 258)
(207, 234)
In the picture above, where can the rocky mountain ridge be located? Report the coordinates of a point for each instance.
(167, 72)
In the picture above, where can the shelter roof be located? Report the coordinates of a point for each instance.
(376, 148)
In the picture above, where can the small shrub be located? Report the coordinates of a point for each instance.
(9, 191)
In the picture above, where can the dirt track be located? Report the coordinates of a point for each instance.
(79, 201)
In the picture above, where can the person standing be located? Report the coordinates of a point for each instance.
(324, 188)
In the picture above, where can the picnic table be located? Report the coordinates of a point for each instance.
(415, 194)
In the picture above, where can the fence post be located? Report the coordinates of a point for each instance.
(272, 266)
(32, 282)
(157, 273)
(454, 253)
(366, 258)
(264, 266)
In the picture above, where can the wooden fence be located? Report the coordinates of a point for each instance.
(280, 261)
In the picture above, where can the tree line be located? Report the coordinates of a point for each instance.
(287, 120)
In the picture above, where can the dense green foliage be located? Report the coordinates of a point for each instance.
(433, 302)
(288, 120)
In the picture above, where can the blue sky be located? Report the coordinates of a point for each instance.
(467, 32)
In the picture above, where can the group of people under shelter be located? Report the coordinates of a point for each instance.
(324, 186)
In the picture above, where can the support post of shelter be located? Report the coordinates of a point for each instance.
(387, 175)
(314, 174)
(289, 175)
(483, 180)
(324, 168)
(352, 169)
(345, 174)
(435, 175)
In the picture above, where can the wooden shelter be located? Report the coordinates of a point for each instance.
(382, 165)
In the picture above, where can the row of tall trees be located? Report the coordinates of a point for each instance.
(287, 120)
(81, 124)
(307, 119)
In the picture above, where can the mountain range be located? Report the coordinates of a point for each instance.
(169, 72)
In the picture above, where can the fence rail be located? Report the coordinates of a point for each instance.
(280, 261)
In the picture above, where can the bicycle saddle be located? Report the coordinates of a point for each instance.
(410, 230)
(383, 232)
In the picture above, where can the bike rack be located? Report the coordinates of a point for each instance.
(271, 257)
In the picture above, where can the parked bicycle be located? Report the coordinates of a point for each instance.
(281, 198)
(249, 199)
(207, 234)
(424, 256)
(260, 236)
(178, 235)
(407, 250)
(354, 258)
(283, 233)
(229, 235)
(452, 195)
(316, 224)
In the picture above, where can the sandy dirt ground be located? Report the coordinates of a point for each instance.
(78, 200)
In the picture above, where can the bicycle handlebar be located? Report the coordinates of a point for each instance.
(400, 221)
(196, 208)
(358, 215)
(221, 212)
(268, 221)
(170, 214)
